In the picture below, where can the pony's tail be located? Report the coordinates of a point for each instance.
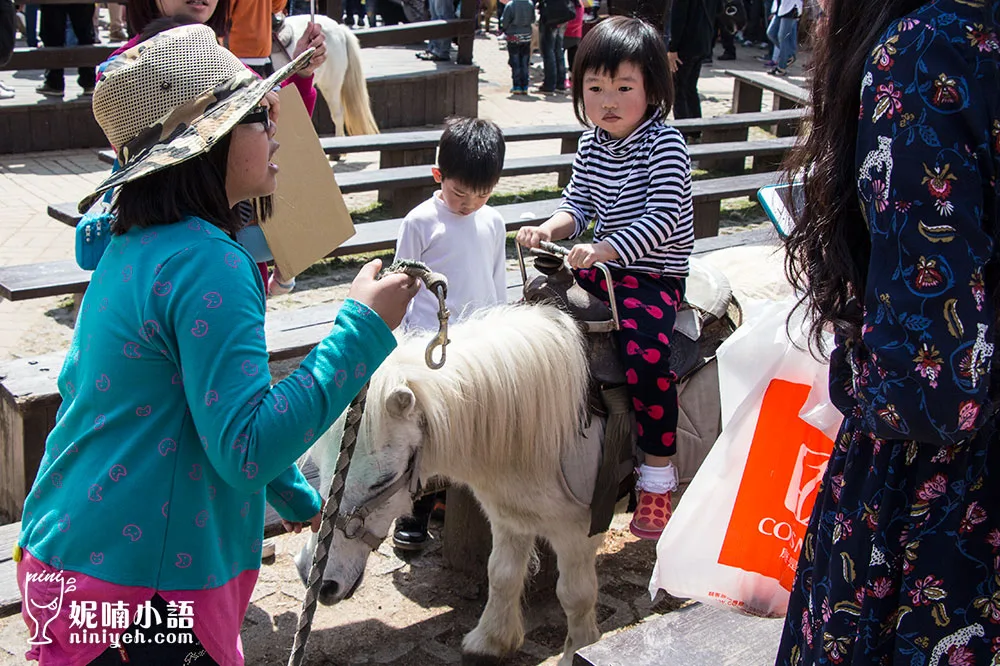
(358, 118)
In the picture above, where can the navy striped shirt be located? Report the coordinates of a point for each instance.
(639, 189)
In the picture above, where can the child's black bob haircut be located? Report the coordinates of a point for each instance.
(623, 39)
(471, 152)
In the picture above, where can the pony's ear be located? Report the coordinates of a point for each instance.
(401, 403)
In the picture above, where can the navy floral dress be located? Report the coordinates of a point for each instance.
(901, 562)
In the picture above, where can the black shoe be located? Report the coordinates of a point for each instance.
(49, 91)
(727, 56)
(411, 533)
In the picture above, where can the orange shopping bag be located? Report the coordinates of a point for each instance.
(776, 494)
(736, 536)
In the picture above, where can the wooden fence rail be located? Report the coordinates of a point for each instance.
(411, 33)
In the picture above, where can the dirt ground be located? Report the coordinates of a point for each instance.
(414, 611)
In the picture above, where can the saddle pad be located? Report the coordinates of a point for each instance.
(708, 288)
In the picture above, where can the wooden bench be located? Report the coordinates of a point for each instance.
(406, 186)
(695, 635)
(749, 87)
(410, 148)
(24, 282)
(390, 145)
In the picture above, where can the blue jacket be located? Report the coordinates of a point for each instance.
(170, 431)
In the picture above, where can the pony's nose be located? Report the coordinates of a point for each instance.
(328, 592)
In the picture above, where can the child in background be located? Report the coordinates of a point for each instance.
(515, 24)
(574, 32)
(633, 174)
(457, 234)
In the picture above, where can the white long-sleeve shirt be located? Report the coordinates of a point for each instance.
(470, 250)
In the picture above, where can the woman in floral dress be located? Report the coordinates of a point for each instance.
(896, 252)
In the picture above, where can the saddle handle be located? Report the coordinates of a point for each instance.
(560, 251)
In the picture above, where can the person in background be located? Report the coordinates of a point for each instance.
(116, 15)
(574, 32)
(692, 28)
(896, 252)
(783, 33)
(8, 30)
(439, 50)
(551, 32)
(515, 24)
(53, 34)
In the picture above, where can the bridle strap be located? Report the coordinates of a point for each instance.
(352, 524)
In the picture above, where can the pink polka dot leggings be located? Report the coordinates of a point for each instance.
(647, 309)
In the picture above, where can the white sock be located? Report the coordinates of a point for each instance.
(657, 480)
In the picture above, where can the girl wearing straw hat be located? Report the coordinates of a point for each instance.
(147, 512)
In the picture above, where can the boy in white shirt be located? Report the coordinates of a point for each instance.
(455, 233)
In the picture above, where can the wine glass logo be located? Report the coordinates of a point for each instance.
(42, 604)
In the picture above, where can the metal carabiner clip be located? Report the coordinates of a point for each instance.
(441, 338)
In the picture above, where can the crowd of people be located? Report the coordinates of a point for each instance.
(171, 435)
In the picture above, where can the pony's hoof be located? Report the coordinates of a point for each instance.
(472, 659)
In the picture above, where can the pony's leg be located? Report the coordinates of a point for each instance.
(576, 554)
(501, 626)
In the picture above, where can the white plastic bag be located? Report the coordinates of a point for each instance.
(736, 535)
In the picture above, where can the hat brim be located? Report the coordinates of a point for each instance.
(199, 135)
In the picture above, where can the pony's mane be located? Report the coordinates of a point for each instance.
(511, 395)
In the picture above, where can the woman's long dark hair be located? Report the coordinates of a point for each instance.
(829, 249)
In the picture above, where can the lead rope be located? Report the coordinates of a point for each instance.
(439, 285)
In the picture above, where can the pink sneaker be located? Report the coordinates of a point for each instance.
(651, 515)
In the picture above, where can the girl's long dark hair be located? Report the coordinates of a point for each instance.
(829, 249)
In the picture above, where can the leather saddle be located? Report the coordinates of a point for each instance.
(708, 315)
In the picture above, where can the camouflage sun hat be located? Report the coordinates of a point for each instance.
(171, 98)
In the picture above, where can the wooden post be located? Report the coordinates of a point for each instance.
(788, 127)
(29, 400)
(335, 9)
(568, 147)
(468, 542)
(720, 136)
(706, 218)
(467, 536)
(468, 35)
(747, 97)
(402, 200)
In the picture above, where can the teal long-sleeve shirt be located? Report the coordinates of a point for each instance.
(169, 429)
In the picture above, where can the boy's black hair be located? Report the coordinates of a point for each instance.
(621, 39)
(471, 152)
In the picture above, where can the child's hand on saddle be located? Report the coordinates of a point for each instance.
(586, 255)
(531, 237)
(388, 297)
(312, 37)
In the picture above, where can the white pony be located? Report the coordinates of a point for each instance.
(341, 78)
(506, 415)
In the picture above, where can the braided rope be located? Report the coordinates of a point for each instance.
(330, 512)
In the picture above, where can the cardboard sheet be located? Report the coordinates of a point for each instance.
(310, 217)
